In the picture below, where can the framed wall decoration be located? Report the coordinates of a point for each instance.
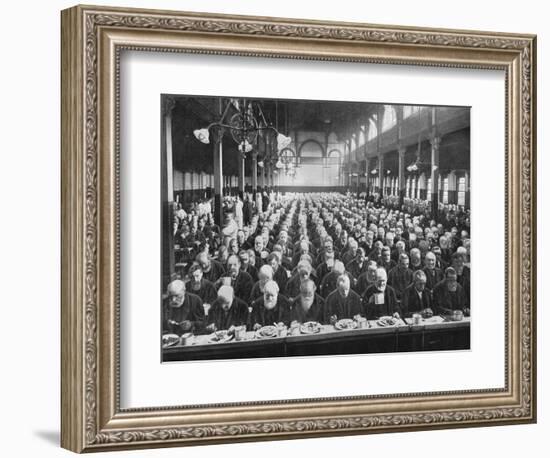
(277, 228)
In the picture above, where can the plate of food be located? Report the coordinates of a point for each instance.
(345, 324)
(220, 337)
(170, 339)
(386, 321)
(310, 327)
(267, 332)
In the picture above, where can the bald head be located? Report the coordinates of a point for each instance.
(265, 274)
(225, 296)
(338, 267)
(343, 285)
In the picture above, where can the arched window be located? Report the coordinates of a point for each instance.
(362, 138)
(409, 110)
(389, 119)
(372, 130)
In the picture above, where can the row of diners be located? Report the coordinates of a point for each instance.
(315, 257)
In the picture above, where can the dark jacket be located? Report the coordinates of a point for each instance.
(343, 307)
(412, 302)
(446, 301)
(280, 313)
(328, 284)
(433, 277)
(206, 292)
(293, 285)
(237, 315)
(242, 285)
(388, 308)
(191, 310)
(216, 271)
(399, 279)
(314, 313)
(281, 278)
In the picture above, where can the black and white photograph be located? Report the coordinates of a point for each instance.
(305, 227)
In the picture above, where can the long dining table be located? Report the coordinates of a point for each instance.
(430, 334)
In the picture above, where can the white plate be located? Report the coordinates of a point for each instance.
(345, 324)
(169, 340)
(310, 327)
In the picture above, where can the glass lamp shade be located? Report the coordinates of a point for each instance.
(202, 135)
(283, 141)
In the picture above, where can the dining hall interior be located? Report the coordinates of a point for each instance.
(318, 191)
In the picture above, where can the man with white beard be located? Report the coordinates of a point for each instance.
(380, 298)
(307, 306)
(342, 302)
(271, 308)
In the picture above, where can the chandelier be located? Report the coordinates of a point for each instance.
(417, 164)
(287, 162)
(243, 126)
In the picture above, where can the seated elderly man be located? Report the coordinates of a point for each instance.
(462, 271)
(439, 262)
(376, 253)
(358, 265)
(307, 306)
(325, 267)
(380, 299)
(227, 311)
(259, 246)
(240, 281)
(366, 279)
(302, 247)
(279, 272)
(200, 286)
(304, 272)
(400, 276)
(448, 295)
(212, 270)
(328, 283)
(251, 270)
(398, 249)
(265, 274)
(416, 297)
(182, 311)
(433, 274)
(286, 244)
(342, 302)
(416, 259)
(270, 308)
(351, 253)
(386, 262)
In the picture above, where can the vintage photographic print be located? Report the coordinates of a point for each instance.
(306, 227)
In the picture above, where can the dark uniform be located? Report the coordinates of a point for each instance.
(191, 310)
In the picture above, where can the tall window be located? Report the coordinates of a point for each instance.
(461, 198)
(389, 119)
(362, 138)
(372, 129)
(409, 110)
(446, 190)
(429, 189)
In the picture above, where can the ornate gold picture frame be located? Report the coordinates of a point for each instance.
(92, 40)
